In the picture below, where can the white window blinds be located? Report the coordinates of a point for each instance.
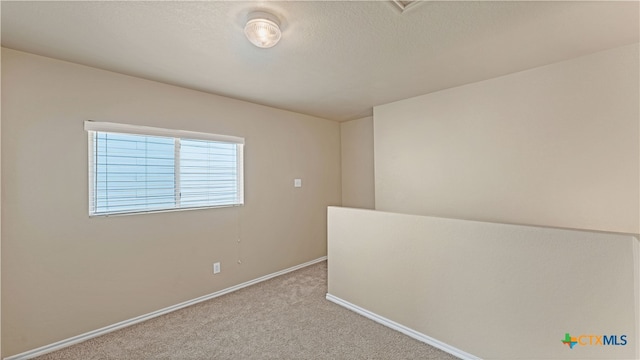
(136, 169)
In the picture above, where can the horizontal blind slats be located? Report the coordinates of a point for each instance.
(139, 173)
(209, 172)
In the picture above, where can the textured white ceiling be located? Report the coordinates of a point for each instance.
(336, 59)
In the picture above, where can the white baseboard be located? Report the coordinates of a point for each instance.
(107, 329)
(403, 329)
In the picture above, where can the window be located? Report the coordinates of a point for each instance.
(137, 169)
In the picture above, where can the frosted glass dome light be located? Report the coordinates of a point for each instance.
(262, 30)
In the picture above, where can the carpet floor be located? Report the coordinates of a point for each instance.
(286, 317)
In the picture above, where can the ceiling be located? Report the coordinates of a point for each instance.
(336, 59)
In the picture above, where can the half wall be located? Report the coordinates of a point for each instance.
(493, 290)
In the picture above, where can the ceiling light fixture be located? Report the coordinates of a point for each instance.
(262, 29)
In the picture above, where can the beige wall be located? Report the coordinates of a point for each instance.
(556, 146)
(491, 290)
(0, 221)
(357, 163)
(64, 273)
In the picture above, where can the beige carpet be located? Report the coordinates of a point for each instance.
(286, 317)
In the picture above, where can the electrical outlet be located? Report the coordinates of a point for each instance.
(216, 268)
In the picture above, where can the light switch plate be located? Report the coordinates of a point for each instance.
(297, 182)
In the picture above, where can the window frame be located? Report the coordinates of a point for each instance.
(92, 127)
